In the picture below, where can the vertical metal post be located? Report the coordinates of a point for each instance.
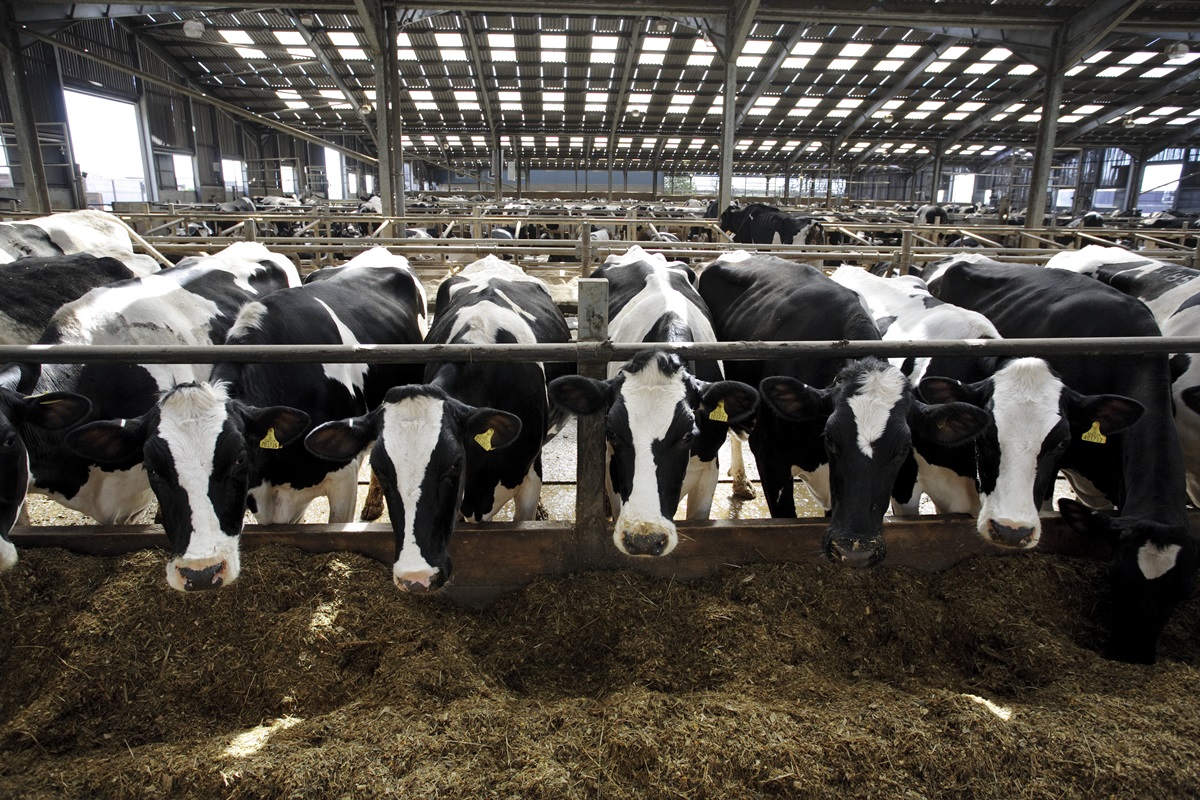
(906, 246)
(728, 115)
(585, 249)
(1043, 154)
(590, 525)
(33, 169)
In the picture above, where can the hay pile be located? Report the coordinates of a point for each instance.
(313, 678)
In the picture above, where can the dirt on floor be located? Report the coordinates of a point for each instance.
(312, 677)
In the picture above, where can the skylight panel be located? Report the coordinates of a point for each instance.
(1140, 57)
(504, 55)
(887, 66)
(1023, 69)
(768, 144)
(854, 50)
(955, 116)
(843, 63)
(699, 60)
(1099, 55)
(679, 99)
(553, 41)
(794, 62)
(300, 52)
(903, 51)
(750, 62)
(849, 102)
(937, 66)
(332, 94)
(996, 54)
(358, 54)
(954, 52)
(1029, 118)
(1186, 58)
(289, 37)
(505, 97)
(554, 97)
(1014, 108)
(1157, 72)
(656, 43)
(295, 104)
(236, 36)
(347, 39)
(916, 115)
(799, 111)
(554, 56)
(763, 105)
(1166, 111)
(696, 144)
(649, 142)
(970, 106)
(502, 41)
(651, 58)
(979, 68)
(757, 46)
(838, 113)
(250, 52)
(402, 40)
(600, 142)
(287, 94)
(605, 42)
(892, 105)
(600, 98)
(603, 57)
(551, 141)
(1075, 70)
(1113, 72)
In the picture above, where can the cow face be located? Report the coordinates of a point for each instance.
(201, 451)
(870, 418)
(52, 411)
(657, 414)
(424, 445)
(1018, 454)
(1152, 571)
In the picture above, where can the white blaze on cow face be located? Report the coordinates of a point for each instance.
(1155, 561)
(651, 401)
(872, 406)
(411, 431)
(191, 419)
(1026, 408)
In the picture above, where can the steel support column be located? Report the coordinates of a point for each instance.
(728, 134)
(1043, 156)
(33, 169)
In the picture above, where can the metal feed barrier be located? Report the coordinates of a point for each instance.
(492, 558)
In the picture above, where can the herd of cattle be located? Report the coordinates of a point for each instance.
(983, 435)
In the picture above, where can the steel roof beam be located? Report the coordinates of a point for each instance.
(1108, 115)
(769, 74)
(356, 103)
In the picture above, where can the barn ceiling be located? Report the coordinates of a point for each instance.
(878, 82)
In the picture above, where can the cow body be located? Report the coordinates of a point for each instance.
(1138, 470)
(89, 231)
(930, 214)
(1031, 411)
(663, 436)
(33, 288)
(848, 441)
(193, 303)
(215, 447)
(758, 223)
(468, 440)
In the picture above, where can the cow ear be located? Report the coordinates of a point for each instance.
(729, 401)
(1088, 521)
(794, 400)
(272, 427)
(949, 424)
(491, 428)
(1191, 398)
(937, 389)
(582, 396)
(109, 441)
(55, 410)
(20, 376)
(343, 439)
(1111, 411)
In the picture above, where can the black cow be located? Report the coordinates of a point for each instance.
(1138, 470)
(32, 289)
(213, 448)
(758, 223)
(469, 439)
(192, 303)
(846, 426)
(665, 420)
(931, 214)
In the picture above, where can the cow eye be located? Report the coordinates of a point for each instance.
(240, 460)
(9, 442)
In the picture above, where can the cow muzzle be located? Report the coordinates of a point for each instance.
(1007, 533)
(420, 581)
(855, 552)
(197, 575)
(644, 539)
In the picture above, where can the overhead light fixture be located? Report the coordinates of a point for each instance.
(366, 108)
(193, 28)
(660, 26)
(1176, 50)
(1128, 122)
(889, 118)
(307, 21)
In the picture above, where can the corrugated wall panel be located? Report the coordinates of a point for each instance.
(107, 39)
(169, 114)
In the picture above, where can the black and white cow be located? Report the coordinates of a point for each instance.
(215, 447)
(1172, 293)
(1139, 470)
(758, 223)
(469, 439)
(931, 214)
(665, 420)
(192, 303)
(1031, 410)
(89, 231)
(240, 205)
(843, 426)
(33, 288)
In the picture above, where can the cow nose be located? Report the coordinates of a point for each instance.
(198, 577)
(422, 582)
(645, 543)
(1010, 535)
(857, 553)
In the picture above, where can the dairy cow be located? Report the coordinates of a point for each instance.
(468, 440)
(192, 303)
(215, 447)
(665, 420)
(93, 232)
(1172, 293)
(1138, 470)
(1008, 472)
(33, 288)
(930, 214)
(843, 426)
(758, 223)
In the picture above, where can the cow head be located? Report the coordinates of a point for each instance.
(869, 417)
(1152, 571)
(52, 411)
(733, 217)
(424, 444)
(201, 451)
(658, 417)
(1018, 455)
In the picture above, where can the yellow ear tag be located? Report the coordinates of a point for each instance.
(269, 442)
(718, 414)
(1094, 435)
(484, 439)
